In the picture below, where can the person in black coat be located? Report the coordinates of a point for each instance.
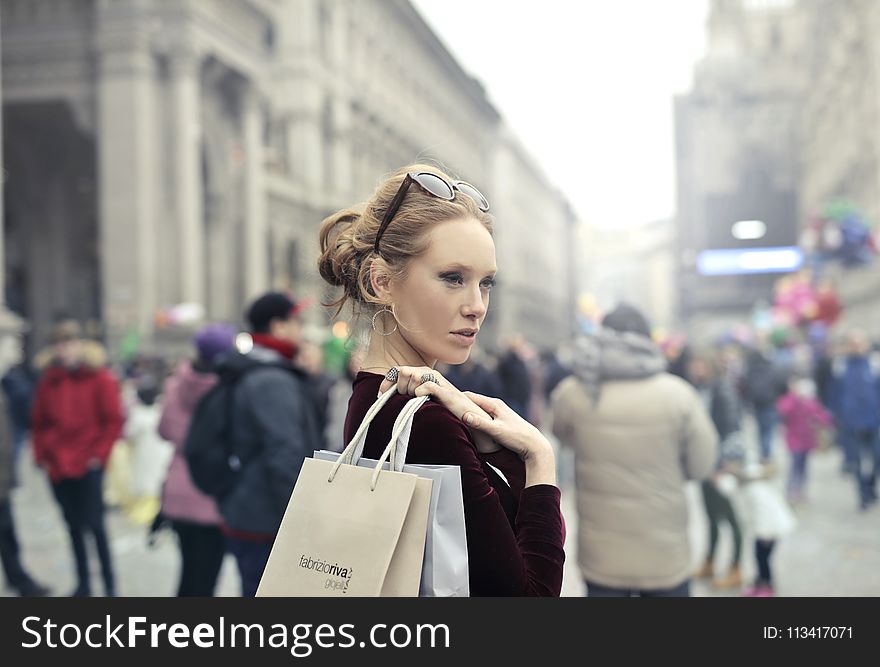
(516, 383)
(723, 404)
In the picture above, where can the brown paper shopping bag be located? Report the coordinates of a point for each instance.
(350, 531)
(445, 565)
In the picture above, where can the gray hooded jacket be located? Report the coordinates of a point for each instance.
(638, 434)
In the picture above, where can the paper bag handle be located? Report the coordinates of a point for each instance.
(404, 420)
(353, 450)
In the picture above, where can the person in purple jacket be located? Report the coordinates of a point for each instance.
(193, 514)
(418, 260)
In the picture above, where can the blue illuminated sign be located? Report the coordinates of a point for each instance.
(728, 262)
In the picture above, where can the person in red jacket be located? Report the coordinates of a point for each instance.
(77, 417)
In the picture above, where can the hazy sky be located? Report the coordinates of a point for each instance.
(588, 86)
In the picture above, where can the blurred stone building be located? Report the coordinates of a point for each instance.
(737, 153)
(782, 120)
(162, 152)
(840, 137)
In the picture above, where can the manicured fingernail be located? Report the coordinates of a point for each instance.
(469, 419)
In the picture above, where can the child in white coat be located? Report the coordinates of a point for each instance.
(151, 455)
(768, 515)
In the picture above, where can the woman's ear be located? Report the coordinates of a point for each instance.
(380, 279)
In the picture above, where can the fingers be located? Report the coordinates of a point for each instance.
(457, 403)
(492, 406)
(409, 378)
(483, 423)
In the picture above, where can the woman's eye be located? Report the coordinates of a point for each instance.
(453, 278)
(489, 283)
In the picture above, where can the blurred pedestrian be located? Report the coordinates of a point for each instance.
(473, 375)
(802, 416)
(638, 433)
(151, 453)
(418, 260)
(77, 419)
(275, 427)
(193, 514)
(855, 397)
(553, 372)
(721, 400)
(18, 386)
(17, 577)
(320, 383)
(764, 383)
(516, 380)
(767, 515)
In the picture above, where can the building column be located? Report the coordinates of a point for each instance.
(256, 264)
(127, 177)
(342, 184)
(186, 163)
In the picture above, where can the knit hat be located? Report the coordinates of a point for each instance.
(272, 306)
(213, 340)
(626, 318)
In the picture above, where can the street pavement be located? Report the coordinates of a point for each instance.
(834, 551)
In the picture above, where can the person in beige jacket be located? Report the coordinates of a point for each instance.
(638, 435)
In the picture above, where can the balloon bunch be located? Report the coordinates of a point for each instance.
(840, 233)
(179, 315)
(801, 303)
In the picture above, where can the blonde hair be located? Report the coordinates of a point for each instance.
(348, 237)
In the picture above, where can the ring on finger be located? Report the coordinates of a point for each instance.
(429, 377)
(392, 374)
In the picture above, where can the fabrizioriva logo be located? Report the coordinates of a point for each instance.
(339, 576)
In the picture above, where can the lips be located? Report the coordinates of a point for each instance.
(466, 332)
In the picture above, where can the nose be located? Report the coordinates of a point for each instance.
(476, 305)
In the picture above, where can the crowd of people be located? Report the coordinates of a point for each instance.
(211, 445)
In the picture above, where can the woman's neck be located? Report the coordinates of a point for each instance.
(393, 350)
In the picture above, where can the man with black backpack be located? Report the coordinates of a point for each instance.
(260, 420)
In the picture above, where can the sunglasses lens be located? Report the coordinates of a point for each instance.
(474, 194)
(435, 185)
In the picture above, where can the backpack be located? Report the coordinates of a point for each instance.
(208, 448)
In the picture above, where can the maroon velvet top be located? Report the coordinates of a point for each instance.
(514, 535)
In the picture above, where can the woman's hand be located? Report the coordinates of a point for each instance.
(489, 419)
(504, 425)
(409, 381)
(507, 428)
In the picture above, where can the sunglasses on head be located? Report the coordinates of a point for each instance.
(434, 185)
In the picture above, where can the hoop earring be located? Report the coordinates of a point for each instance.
(385, 309)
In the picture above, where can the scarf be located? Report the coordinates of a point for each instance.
(612, 355)
(285, 348)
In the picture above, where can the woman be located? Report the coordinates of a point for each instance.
(720, 399)
(193, 514)
(418, 259)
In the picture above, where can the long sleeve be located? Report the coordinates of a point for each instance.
(280, 412)
(699, 442)
(171, 425)
(785, 405)
(110, 413)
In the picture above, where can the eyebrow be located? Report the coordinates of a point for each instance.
(464, 267)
